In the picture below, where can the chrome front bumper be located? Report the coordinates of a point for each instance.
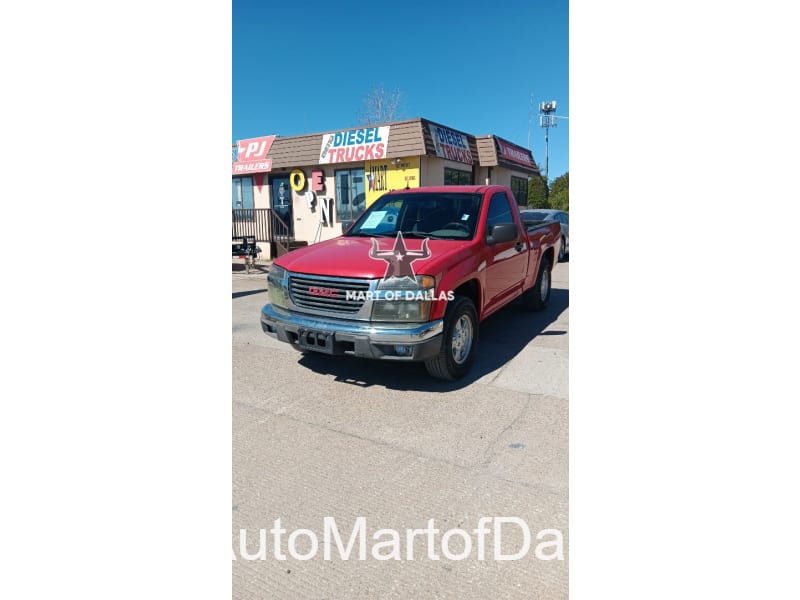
(411, 342)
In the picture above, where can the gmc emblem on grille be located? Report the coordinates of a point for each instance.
(318, 291)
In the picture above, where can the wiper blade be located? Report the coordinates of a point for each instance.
(423, 234)
(364, 234)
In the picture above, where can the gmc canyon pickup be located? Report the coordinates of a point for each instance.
(412, 278)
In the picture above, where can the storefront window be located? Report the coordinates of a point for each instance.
(243, 198)
(351, 199)
(456, 177)
(242, 192)
(519, 186)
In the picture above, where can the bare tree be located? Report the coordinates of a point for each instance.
(380, 106)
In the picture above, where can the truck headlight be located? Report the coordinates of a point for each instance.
(277, 287)
(403, 299)
(422, 282)
(401, 310)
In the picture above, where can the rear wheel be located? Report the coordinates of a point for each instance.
(459, 339)
(562, 252)
(538, 296)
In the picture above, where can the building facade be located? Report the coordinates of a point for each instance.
(318, 184)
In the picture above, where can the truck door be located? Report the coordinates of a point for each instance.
(506, 262)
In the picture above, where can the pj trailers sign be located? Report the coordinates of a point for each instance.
(251, 155)
(355, 145)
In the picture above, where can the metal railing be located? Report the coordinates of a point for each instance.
(264, 224)
(280, 233)
(252, 221)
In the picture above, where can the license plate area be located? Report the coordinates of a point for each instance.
(319, 341)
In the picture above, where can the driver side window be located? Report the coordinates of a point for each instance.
(499, 212)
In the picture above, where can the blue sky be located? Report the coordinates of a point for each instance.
(307, 67)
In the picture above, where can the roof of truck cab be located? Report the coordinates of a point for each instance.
(470, 189)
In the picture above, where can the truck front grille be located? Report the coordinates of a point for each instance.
(329, 293)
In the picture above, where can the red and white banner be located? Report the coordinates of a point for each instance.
(251, 155)
(356, 145)
(515, 153)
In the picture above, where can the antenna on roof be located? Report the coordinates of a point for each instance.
(547, 120)
(530, 119)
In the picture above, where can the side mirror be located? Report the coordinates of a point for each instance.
(502, 232)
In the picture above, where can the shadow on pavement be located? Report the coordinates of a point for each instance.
(240, 267)
(501, 337)
(247, 293)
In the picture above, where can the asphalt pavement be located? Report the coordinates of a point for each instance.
(320, 440)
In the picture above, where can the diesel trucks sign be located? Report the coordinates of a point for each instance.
(450, 144)
(355, 145)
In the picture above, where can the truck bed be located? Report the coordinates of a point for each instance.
(532, 225)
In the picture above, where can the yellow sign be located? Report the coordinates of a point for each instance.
(297, 179)
(385, 175)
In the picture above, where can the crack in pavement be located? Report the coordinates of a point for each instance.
(481, 469)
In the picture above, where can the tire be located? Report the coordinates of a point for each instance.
(538, 296)
(459, 339)
(562, 251)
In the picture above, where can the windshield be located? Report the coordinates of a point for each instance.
(440, 215)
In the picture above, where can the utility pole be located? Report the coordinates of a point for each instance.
(547, 120)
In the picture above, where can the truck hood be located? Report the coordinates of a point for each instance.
(350, 257)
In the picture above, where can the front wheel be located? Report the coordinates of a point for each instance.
(538, 296)
(459, 338)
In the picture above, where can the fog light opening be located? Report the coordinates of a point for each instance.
(402, 350)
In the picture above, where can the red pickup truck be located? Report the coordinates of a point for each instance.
(412, 277)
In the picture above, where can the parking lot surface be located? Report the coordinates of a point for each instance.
(316, 436)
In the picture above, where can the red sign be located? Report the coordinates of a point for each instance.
(515, 153)
(251, 155)
(260, 166)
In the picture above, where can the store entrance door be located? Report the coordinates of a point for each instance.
(281, 201)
